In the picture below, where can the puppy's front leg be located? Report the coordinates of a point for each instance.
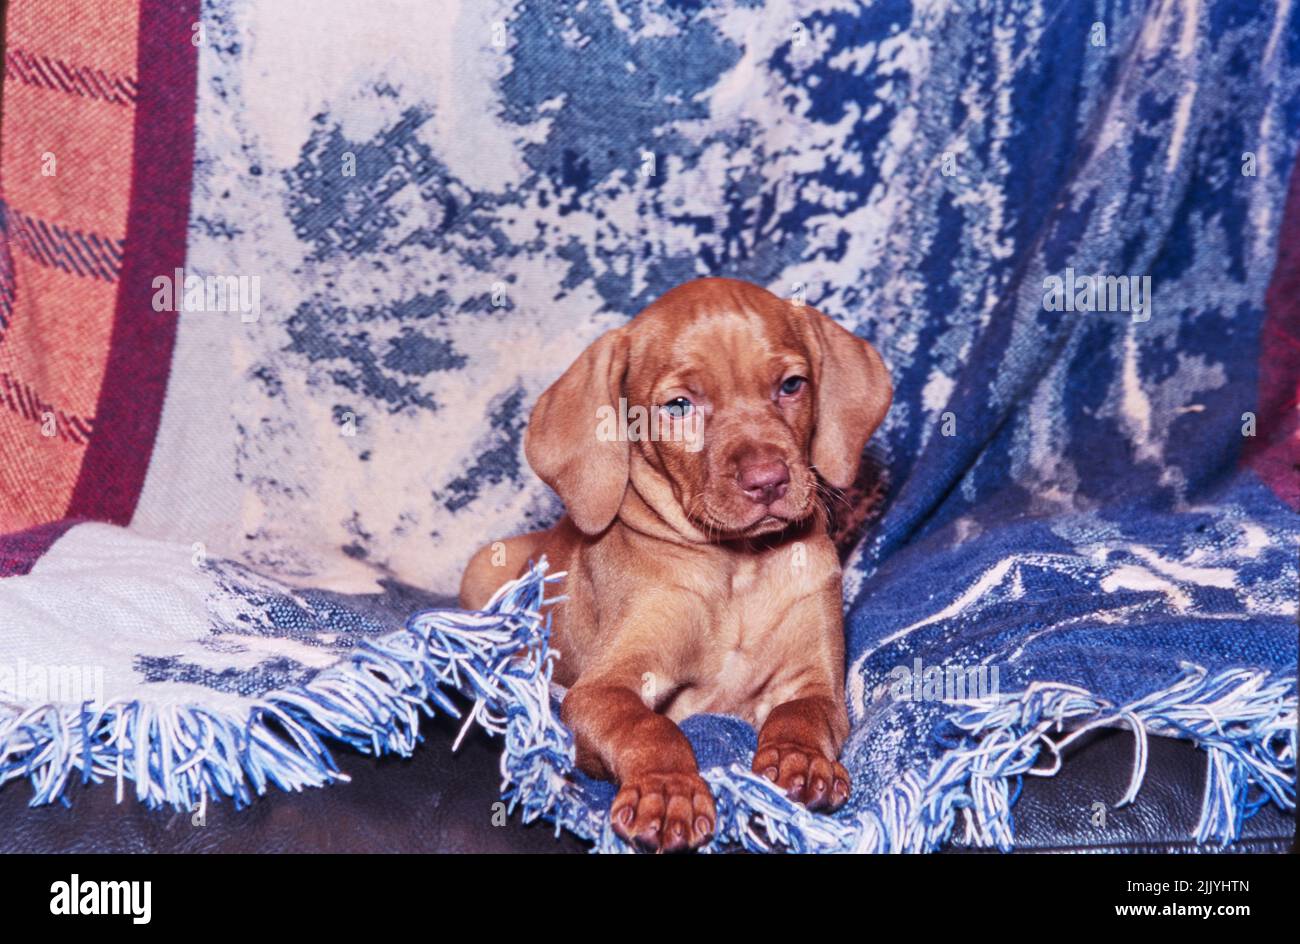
(662, 805)
(799, 743)
(797, 750)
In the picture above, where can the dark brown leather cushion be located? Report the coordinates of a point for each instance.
(434, 801)
(439, 801)
(1055, 814)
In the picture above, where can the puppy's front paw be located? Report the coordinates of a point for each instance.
(664, 812)
(806, 776)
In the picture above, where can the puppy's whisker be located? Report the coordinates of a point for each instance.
(696, 512)
(833, 494)
(832, 499)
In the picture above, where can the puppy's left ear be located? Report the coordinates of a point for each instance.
(853, 394)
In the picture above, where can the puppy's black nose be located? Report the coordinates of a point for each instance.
(764, 481)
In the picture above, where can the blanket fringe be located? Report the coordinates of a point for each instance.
(185, 756)
(1243, 719)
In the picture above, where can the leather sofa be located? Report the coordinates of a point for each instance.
(439, 801)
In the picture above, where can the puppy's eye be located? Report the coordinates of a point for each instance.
(792, 385)
(678, 407)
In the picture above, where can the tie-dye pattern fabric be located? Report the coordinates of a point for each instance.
(445, 203)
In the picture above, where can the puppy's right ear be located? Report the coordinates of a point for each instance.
(588, 471)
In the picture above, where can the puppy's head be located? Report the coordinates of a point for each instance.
(740, 399)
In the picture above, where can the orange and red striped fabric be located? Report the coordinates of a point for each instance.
(95, 159)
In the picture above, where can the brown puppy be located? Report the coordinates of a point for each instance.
(700, 576)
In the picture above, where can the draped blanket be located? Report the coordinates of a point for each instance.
(280, 282)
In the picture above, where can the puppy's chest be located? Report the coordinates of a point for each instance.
(748, 656)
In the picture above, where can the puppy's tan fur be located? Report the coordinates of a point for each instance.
(686, 592)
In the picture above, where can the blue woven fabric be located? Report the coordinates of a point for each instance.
(1065, 520)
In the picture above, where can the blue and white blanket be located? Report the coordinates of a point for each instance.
(1058, 221)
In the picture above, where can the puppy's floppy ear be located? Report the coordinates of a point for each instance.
(588, 472)
(853, 395)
